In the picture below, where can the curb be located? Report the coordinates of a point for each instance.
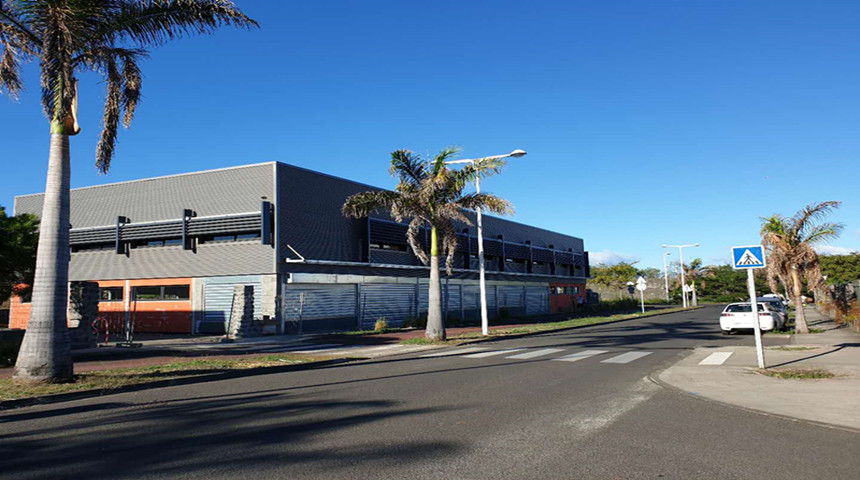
(654, 377)
(209, 377)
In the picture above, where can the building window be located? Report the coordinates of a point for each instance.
(110, 294)
(388, 246)
(233, 237)
(161, 293)
(155, 243)
(93, 246)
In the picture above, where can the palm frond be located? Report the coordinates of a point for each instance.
(10, 66)
(363, 204)
(110, 119)
(412, 232)
(157, 21)
(823, 233)
(486, 201)
(811, 213)
(409, 167)
(443, 156)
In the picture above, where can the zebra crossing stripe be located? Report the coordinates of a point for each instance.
(536, 353)
(580, 356)
(716, 358)
(626, 357)
(492, 353)
(449, 353)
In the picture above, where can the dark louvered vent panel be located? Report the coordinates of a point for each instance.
(387, 233)
(493, 247)
(579, 259)
(172, 229)
(542, 255)
(218, 225)
(564, 258)
(152, 231)
(95, 235)
(515, 250)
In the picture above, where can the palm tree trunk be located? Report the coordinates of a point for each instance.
(45, 352)
(800, 318)
(435, 325)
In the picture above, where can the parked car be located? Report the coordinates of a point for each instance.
(739, 316)
(776, 305)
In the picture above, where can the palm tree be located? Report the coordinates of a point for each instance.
(66, 37)
(429, 193)
(790, 250)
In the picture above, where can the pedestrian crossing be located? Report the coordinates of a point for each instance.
(556, 354)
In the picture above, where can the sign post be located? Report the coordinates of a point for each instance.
(641, 285)
(750, 258)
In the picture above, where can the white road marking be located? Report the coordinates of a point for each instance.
(536, 353)
(580, 356)
(449, 353)
(626, 357)
(492, 353)
(716, 358)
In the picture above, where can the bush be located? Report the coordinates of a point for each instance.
(381, 324)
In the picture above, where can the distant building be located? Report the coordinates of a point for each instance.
(167, 253)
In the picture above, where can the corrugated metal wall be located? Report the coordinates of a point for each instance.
(318, 307)
(218, 301)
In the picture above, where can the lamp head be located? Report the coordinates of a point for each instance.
(664, 245)
(517, 153)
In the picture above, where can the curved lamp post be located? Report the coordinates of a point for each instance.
(485, 322)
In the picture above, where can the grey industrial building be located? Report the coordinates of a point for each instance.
(169, 251)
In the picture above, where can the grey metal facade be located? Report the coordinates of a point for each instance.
(349, 277)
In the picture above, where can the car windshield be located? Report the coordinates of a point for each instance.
(743, 308)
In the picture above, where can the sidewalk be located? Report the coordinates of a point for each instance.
(729, 375)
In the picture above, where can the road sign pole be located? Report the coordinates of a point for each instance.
(756, 324)
(642, 299)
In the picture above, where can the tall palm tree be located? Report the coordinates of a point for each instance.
(429, 193)
(790, 246)
(66, 37)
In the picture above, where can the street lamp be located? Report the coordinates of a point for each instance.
(666, 274)
(485, 322)
(681, 258)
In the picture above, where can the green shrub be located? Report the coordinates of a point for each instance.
(381, 324)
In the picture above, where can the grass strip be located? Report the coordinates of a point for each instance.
(797, 373)
(540, 327)
(115, 378)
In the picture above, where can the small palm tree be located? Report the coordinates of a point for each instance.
(790, 250)
(429, 193)
(66, 37)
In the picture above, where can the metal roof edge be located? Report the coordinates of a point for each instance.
(157, 178)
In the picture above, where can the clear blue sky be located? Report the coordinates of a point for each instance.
(645, 122)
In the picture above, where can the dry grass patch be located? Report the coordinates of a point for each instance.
(797, 373)
(116, 378)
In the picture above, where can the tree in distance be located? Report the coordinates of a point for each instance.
(18, 238)
(429, 193)
(614, 276)
(67, 37)
(791, 256)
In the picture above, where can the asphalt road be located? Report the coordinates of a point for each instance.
(487, 416)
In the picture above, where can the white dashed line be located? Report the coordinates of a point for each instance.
(493, 353)
(626, 357)
(536, 353)
(449, 353)
(580, 356)
(716, 358)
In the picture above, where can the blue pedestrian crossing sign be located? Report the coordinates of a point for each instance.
(751, 256)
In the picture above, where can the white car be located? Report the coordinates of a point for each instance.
(739, 316)
(775, 305)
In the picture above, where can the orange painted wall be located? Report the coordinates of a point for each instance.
(566, 302)
(170, 316)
